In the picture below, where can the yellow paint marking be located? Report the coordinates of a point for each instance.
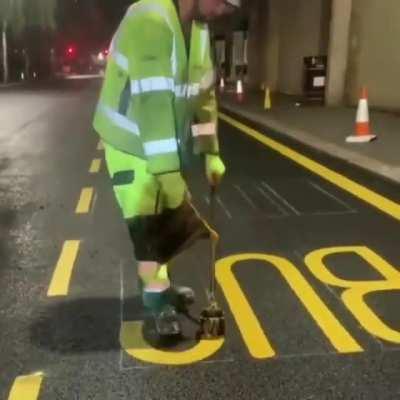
(95, 166)
(248, 324)
(356, 291)
(100, 145)
(59, 285)
(133, 342)
(354, 299)
(374, 199)
(85, 200)
(26, 387)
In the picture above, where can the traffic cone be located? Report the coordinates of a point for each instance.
(362, 130)
(267, 99)
(222, 84)
(239, 91)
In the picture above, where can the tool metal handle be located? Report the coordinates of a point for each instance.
(214, 240)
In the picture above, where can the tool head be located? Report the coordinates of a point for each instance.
(212, 323)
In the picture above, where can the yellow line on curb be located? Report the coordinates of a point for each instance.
(95, 166)
(26, 387)
(100, 145)
(59, 285)
(85, 201)
(376, 200)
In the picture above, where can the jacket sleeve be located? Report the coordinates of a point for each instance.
(205, 131)
(206, 127)
(149, 46)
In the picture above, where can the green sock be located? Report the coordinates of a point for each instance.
(155, 301)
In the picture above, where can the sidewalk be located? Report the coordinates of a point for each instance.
(326, 129)
(11, 84)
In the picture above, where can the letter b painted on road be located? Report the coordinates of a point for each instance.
(354, 295)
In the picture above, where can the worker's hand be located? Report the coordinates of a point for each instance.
(173, 189)
(215, 169)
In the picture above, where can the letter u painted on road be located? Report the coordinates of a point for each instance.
(354, 295)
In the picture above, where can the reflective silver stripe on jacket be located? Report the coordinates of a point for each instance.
(152, 84)
(158, 147)
(121, 60)
(119, 120)
(160, 83)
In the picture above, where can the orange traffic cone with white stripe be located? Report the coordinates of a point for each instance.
(363, 130)
(239, 91)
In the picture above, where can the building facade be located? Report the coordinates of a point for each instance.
(359, 38)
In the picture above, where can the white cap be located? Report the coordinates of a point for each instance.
(235, 3)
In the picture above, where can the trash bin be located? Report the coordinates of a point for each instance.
(315, 71)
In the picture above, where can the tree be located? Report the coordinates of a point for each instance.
(18, 16)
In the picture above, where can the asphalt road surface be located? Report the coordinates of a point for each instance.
(308, 271)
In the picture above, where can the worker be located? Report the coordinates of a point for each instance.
(157, 102)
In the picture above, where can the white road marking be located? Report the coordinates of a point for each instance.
(273, 202)
(219, 201)
(284, 201)
(333, 197)
(245, 196)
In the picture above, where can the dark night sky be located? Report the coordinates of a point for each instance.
(89, 23)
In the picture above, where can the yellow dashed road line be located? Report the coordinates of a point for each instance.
(59, 285)
(85, 200)
(376, 200)
(100, 145)
(95, 166)
(26, 387)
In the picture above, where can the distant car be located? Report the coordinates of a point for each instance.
(99, 60)
(77, 61)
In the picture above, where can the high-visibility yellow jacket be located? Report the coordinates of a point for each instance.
(153, 89)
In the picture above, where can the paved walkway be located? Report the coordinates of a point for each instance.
(326, 129)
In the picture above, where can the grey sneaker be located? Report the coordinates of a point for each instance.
(167, 322)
